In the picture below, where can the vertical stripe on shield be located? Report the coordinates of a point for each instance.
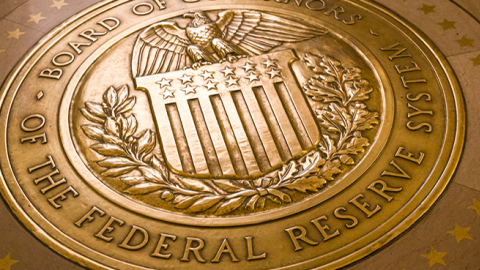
(250, 129)
(180, 139)
(204, 136)
(228, 135)
(293, 116)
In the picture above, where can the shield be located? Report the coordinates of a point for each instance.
(240, 119)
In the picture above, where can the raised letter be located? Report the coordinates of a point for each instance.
(76, 46)
(37, 127)
(352, 19)
(408, 69)
(49, 162)
(88, 216)
(33, 139)
(309, 5)
(402, 173)
(55, 73)
(66, 63)
(342, 216)
(62, 196)
(225, 248)
(335, 10)
(385, 187)
(324, 228)
(161, 244)
(364, 206)
(302, 236)
(250, 254)
(89, 33)
(417, 111)
(195, 250)
(428, 127)
(104, 23)
(409, 156)
(407, 82)
(142, 13)
(109, 228)
(126, 241)
(428, 97)
(53, 183)
(398, 53)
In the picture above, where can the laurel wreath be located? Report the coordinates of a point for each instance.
(129, 152)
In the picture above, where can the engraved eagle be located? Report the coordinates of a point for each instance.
(165, 46)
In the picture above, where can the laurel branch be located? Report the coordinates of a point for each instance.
(129, 153)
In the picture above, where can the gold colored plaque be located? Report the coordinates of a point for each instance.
(228, 134)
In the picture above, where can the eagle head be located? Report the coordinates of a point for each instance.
(198, 18)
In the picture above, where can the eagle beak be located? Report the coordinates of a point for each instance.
(190, 14)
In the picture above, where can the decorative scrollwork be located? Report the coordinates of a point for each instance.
(129, 154)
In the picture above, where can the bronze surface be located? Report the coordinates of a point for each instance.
(234, 135)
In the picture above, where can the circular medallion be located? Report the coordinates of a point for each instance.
(228, 135)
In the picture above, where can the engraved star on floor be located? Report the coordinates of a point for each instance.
(36, 18)
(15, 34)
(460, 233)
(465, 42)
(59, 4)
(435, 256)
(446, 24)
(427, 9)
(475, 206)
(7, 262)
(476, 61)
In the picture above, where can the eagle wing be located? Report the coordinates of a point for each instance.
(162, 47)
(258, 33)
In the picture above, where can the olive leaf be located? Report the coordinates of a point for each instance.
(93, 132)
(133, 180)
(230, 206)
(312, 184)
(95, 109)
(108, 149)
(110, 97)
(198, 185)
(115, 162)
(85, 112)
(204, 204)
(143, 188)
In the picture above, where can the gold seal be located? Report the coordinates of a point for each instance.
(224, 135)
